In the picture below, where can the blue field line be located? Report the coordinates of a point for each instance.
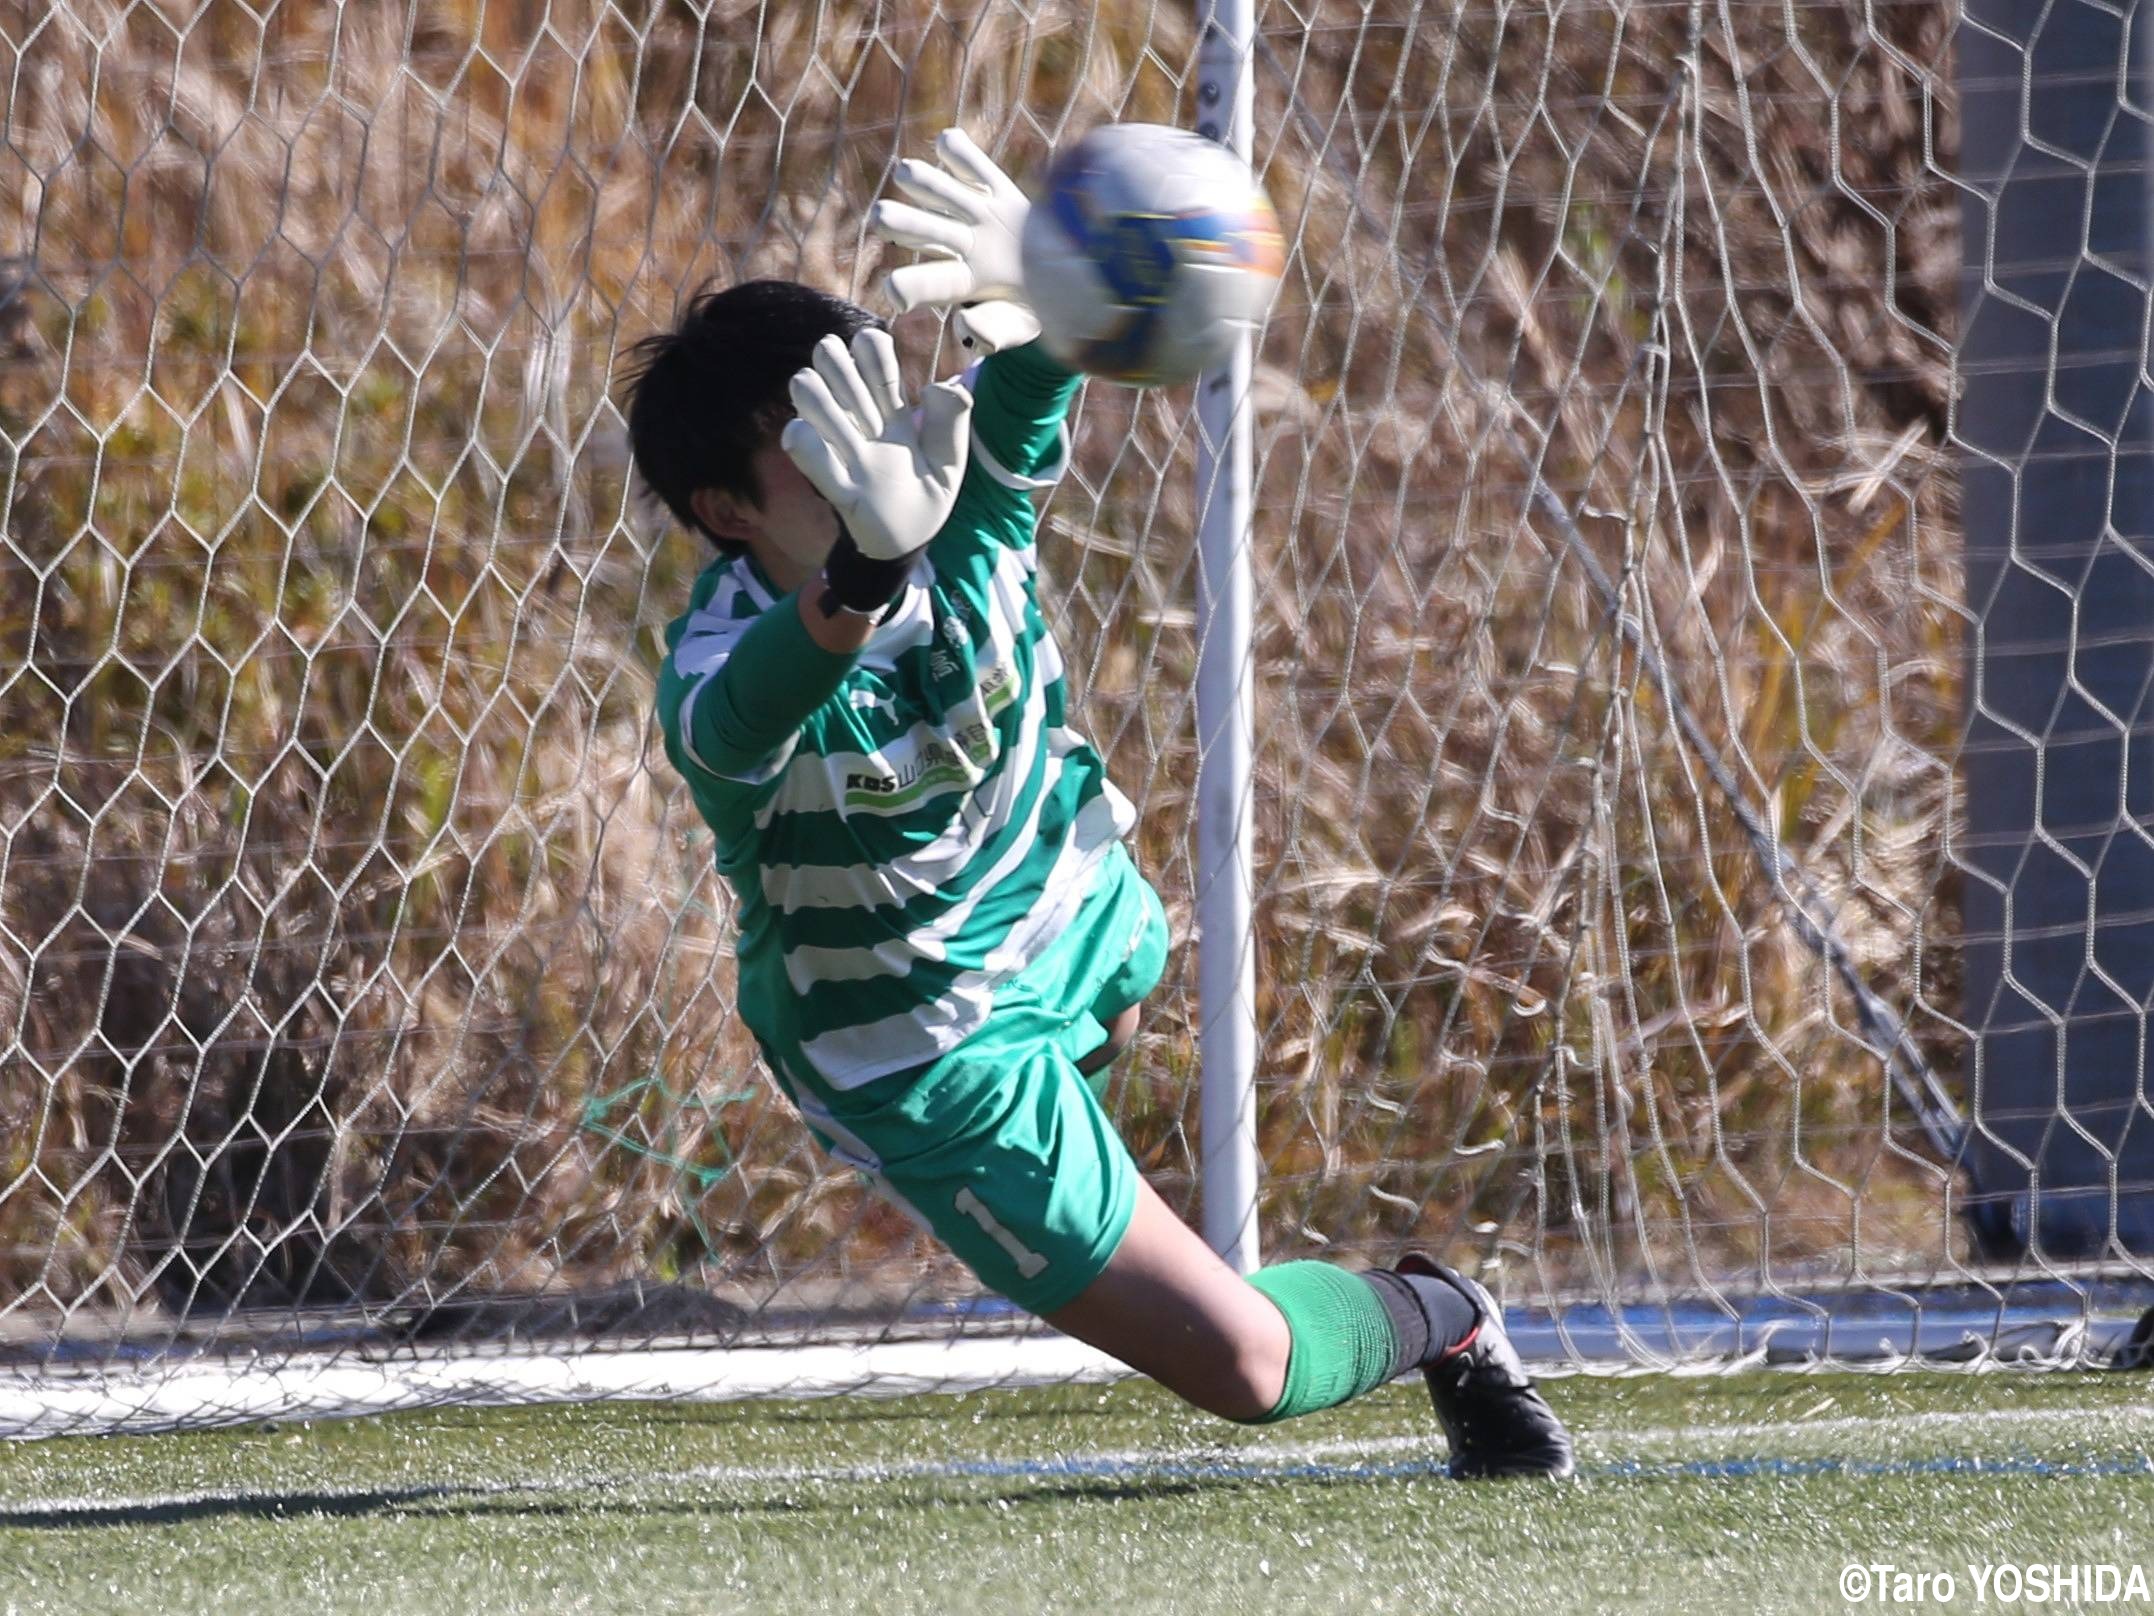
(2137, 1464)
(1731, 1469)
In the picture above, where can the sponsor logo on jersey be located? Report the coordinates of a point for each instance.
(955, 760)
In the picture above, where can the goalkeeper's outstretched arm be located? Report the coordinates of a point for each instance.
(967, 219)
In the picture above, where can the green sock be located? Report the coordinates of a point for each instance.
(1343, 1340)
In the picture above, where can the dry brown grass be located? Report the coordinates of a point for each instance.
(358, 942)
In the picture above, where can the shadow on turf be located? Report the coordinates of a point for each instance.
(258, 1506)
(450, 1501)
(903, 1491)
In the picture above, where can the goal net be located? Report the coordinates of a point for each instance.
(1627, 923)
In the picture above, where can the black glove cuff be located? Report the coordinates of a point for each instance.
(859, 583)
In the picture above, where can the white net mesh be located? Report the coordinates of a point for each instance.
(364, 971)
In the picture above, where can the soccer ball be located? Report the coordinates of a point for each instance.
(1148, 252)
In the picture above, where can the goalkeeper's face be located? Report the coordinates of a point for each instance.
(789, 531)
(796, 526)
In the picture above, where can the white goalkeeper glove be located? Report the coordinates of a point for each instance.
(891, 477)
(971, 225)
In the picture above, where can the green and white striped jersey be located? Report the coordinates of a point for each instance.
(935, 823)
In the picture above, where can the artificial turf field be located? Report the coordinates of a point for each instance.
(1728, 1493)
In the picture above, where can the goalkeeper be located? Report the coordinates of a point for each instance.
(943, 940)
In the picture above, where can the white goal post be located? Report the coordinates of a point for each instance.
(1226, 715)
(1636, 689)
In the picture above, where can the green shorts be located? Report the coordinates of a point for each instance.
(1001, 1147)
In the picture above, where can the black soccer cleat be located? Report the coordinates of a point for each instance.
(1497, 1421)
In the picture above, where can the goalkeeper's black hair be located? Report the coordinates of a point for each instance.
(703, 397)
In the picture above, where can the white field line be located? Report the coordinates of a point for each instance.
(240, 1393)
(1226, 1457)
